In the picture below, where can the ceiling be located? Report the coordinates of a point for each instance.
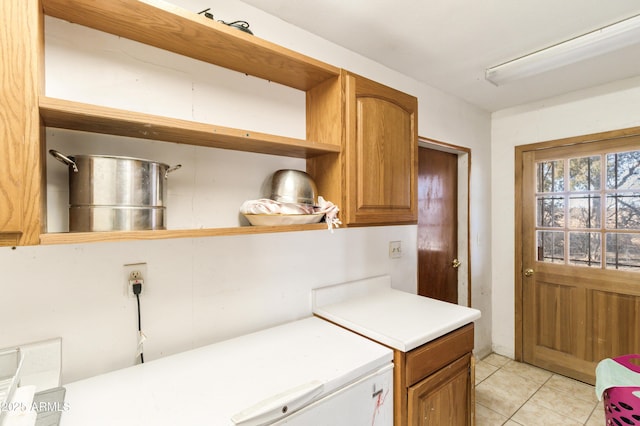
(448, 44)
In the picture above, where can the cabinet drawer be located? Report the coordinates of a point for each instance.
(432, 356)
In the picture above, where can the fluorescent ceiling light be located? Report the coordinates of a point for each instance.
(595, 43)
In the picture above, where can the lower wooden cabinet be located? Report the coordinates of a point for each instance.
(434, 383)
(442, 398)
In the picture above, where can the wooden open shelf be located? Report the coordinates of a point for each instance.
(171, 28)
(92, 237)
(97, 119)
(167, 27)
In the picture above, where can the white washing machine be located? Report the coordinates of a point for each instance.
(308, 372)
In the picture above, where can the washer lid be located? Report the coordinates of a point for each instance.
(211, 384)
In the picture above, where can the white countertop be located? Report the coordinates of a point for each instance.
(208, 385)
(395, 318)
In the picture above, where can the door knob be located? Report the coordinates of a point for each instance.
(528, 272)
(456, 263)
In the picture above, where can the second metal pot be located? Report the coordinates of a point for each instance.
(111, 193)
(293, 186)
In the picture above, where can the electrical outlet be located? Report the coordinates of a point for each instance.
(134, 273)
(395, 249)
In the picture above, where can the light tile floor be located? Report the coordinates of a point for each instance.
(514, 394)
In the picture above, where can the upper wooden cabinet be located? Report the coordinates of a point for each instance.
(361, 144)
(376, 176)
(382, 153)
(20, 157)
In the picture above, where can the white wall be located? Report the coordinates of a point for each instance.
(599, 109)
(197, 291)
(206, 289)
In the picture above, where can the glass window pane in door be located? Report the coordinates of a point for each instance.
(623, 211)
(550, 212)
(623, 251)
(550, 176)
(550, 246)
(584, 211)
(623, 170)
(584, 174)
(585, 249)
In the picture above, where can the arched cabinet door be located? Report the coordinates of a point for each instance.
(443, 398)
(381, 153)
(373, 180)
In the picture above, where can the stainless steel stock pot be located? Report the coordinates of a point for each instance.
(111, 193)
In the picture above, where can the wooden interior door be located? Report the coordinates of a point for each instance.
(438, 224)
(581, 255)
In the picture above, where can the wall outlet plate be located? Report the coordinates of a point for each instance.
(395, 249)
(135, 269)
